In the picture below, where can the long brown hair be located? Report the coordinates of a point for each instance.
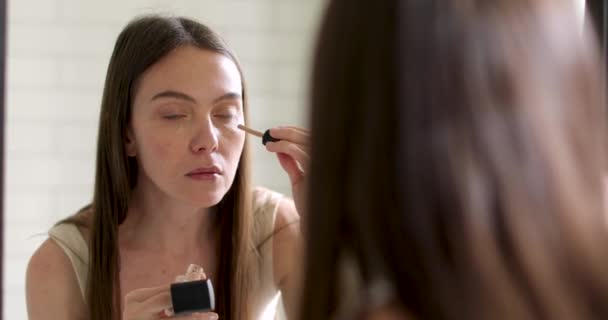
(142, 43)
(458, 155)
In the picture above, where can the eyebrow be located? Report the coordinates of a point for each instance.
(173, 94)
(185, 97)
(228, 96)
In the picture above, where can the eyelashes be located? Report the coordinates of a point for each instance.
(224, 117)
(174, 116)
(224, 113)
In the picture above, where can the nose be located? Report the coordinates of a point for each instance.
(205, 138)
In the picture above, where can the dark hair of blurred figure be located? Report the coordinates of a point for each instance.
(457, 163)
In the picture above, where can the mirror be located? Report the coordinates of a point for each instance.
(58, 52)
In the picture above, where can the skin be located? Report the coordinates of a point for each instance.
(185, 111)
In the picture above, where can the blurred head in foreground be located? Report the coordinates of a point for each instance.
(457, 162)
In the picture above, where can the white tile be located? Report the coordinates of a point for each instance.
(23, 239)
(271, 47)
(227, 13)
(14, 303)
(299, 15)
(48, 171)
(28, 39)
(15, 268)
(32, 10)
(83, 73)
(189, 8)
(260, 77)
(76, 11)
(267, 112)
(54, 106)
(26, 207)
(40, 207)
(253, 46)
(248, 15)
(67, 202)
(46, 139)
(28, 138)
(292, 79)
(77, 139)
(296, 47)
(27, 74)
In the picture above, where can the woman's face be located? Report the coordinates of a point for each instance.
(183, 129)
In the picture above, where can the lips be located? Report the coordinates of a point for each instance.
(205, 173)
(208, 170)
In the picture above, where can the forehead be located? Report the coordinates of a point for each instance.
(203, 74)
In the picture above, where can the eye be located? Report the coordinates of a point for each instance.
(224, 116)
(174, 116)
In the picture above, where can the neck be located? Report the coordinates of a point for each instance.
(156, 222)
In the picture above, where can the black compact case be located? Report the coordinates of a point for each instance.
(192, 296)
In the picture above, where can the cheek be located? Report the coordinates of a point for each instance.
(162, 149)
(159, 145)
(233, 143)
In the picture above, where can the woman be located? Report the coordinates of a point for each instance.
(456, 163)
(172, 188)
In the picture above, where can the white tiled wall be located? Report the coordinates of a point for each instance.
(57, 56)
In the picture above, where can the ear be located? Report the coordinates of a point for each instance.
(130, 143)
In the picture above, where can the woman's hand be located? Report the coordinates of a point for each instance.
(146, 303)
(293, 154)
(155, 303)
(150, 304)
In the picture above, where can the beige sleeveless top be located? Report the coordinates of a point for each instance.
(265, 205)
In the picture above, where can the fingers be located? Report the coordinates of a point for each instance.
(292, 134)
(143, 294)
(291, 149)
(295, 173)
(199, 316)
(292, 158)
(157, 303)
(195, 272)
(152, 303)
(149, 308)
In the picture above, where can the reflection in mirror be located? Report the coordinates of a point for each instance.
(58, 55)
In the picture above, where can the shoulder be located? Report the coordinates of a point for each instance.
(81, 220)
(287, 254)
(52, 289)
(47, 263)
(276, 211)
(265, 208)
(268, 200)
(265, 199)
(286, 240)
(287, 218)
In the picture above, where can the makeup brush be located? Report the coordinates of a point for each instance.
(266, 137)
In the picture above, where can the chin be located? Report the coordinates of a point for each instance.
(207, 199)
